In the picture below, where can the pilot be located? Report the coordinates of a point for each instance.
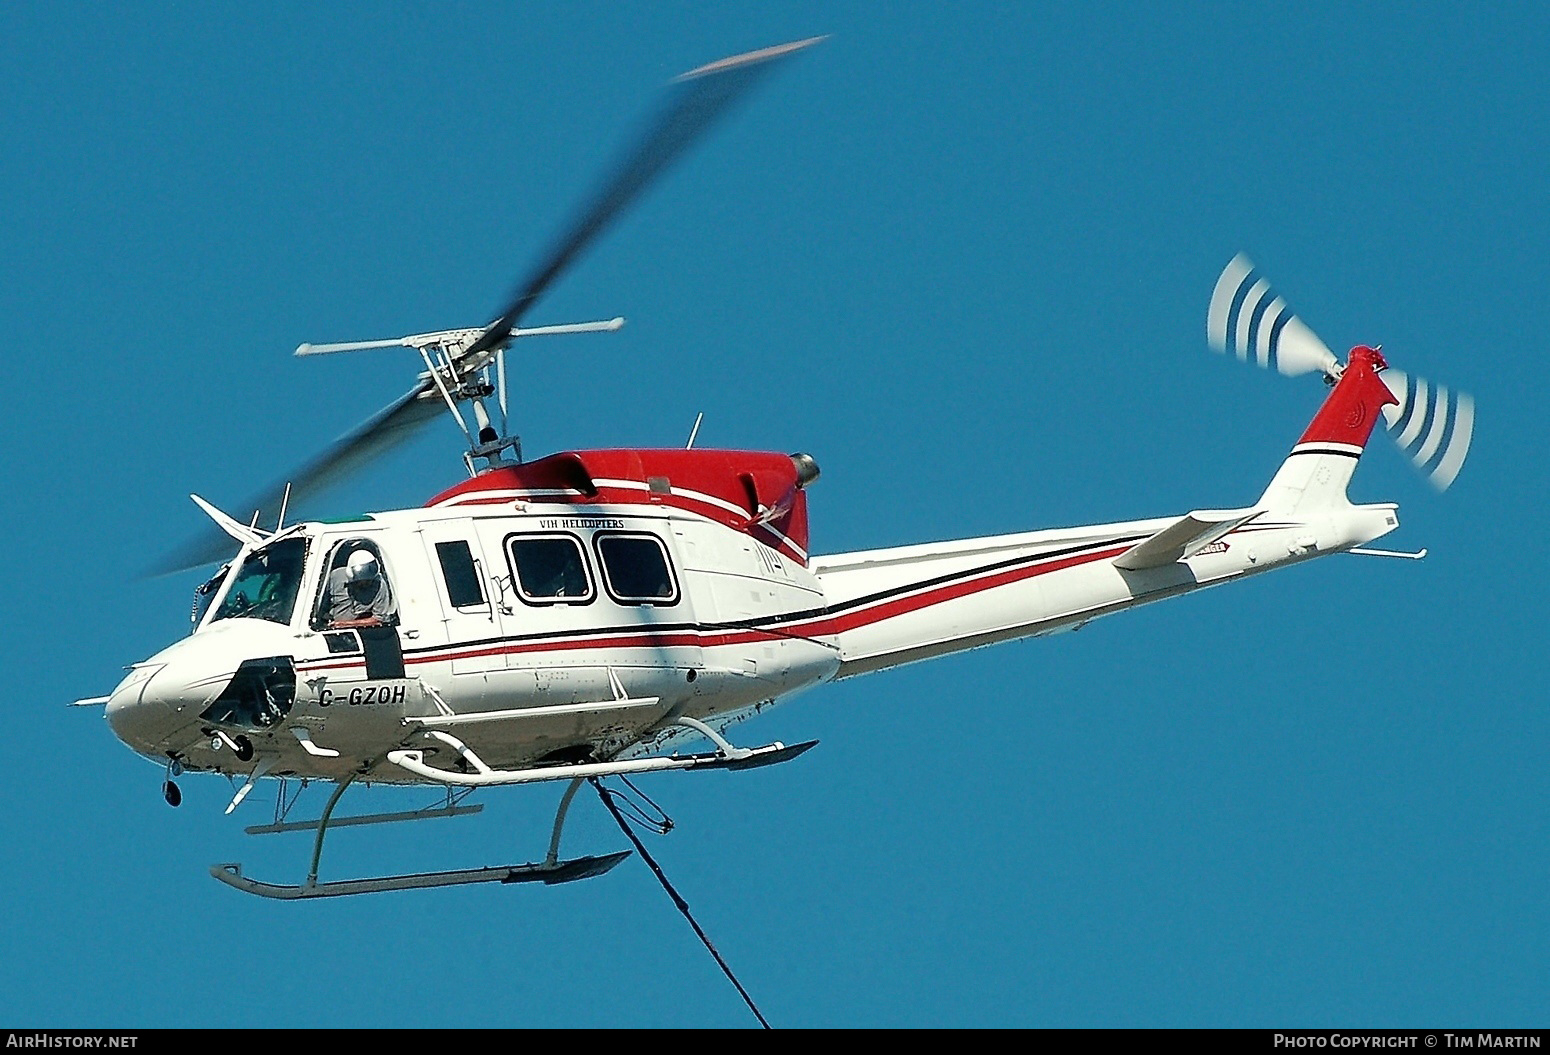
(359, 594)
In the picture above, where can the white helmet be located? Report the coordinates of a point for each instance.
(362, 566)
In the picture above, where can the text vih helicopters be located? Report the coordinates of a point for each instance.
(586, 614)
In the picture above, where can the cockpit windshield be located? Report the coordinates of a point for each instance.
(266, 585)
(205, 594)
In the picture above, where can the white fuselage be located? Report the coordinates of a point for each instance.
(581, 663)
(596, 662)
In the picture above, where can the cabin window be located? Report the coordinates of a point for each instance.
(550, 569)
(464, 589)
(266, 585)
(636, 569)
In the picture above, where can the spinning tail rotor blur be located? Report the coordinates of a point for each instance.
(1432, 424)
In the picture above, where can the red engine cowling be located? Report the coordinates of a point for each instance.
(760, 492)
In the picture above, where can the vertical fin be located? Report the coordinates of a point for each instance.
(1320, 466)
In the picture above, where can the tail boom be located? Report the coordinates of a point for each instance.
(889, 607)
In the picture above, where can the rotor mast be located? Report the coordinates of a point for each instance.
(458, 363)
(458, 369)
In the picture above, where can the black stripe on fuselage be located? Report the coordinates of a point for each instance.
(1011, 562)
(772, 623)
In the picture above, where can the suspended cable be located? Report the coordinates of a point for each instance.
(643, 809)
(608, 795)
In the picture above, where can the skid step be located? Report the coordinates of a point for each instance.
(560, 872)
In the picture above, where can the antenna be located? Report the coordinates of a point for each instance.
(500, 378)
(694, 431)
(285, 500)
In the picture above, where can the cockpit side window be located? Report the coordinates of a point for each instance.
(356, 589)
(266, 585)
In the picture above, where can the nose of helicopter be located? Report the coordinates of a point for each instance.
(173, 688)
(163, 694)
(134, 719)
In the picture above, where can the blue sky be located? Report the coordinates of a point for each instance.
(962, 253)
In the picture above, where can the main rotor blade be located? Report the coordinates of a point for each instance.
(391, 426)
(695, 100)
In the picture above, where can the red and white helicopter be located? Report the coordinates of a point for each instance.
(593, 613)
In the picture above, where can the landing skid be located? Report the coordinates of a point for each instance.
(550, 871)
(478, 774)
(559, 872)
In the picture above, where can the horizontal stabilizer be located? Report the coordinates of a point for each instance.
(1184, 538)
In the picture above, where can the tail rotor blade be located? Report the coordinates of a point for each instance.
(1237, 270)
(1431, 424)
(1248, 319)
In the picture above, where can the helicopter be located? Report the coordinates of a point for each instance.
(606, 613)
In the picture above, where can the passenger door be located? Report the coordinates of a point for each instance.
(464, 585)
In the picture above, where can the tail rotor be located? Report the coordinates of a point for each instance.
(1432, 424)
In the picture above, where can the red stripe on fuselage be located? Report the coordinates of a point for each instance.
(742, 483)
(949, 592)
(808, 628)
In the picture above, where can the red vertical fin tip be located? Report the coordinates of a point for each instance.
(1354, 407)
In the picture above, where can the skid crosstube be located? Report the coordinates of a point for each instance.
(561, 872)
